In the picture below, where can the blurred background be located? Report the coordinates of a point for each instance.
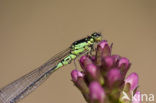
(32, 31)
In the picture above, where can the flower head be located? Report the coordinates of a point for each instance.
(102, 80)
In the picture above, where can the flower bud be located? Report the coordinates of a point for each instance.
(92, 70)
(123, 62)
(93, 73)
(124, 65)
(113, 76)
(108, 61)
(75, 74)
(103, 49)
(84, 61)
(116, 59)
(78, 79)
(132, 79)
(96, 93)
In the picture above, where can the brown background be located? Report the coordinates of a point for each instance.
(32, 31)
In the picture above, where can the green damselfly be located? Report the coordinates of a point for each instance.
(27, 83)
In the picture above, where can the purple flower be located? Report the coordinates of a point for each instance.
(105, 48)
(78, 79)
(108, 61)
(116, 58)
(93, 73)
(92, 70)
(102, 76)
(75, 74)
(85, 61)
(82, 59)
(133, 80)
(113, 76)
(96, 93)
(124, 63)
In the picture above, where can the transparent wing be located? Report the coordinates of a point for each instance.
(27, 83)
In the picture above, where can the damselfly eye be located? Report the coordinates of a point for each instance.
(97, 37)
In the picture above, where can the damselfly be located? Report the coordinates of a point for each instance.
(27, 83)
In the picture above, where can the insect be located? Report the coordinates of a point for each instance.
(21, 87)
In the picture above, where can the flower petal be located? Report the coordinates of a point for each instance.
(133, 80)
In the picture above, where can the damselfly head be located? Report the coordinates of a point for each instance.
(96, 36)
